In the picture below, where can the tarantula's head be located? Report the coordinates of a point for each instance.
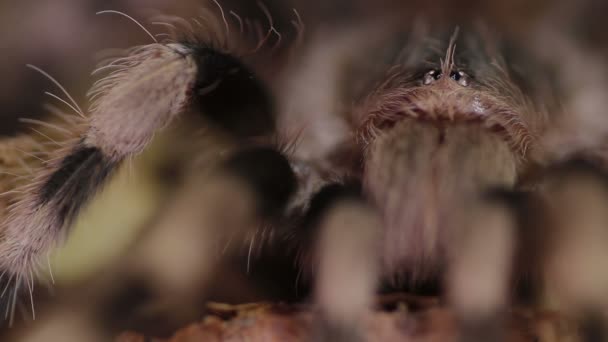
(451, 91)
(436, 136)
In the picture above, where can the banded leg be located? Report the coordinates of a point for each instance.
(149, 88)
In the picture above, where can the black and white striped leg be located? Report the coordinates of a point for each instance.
(145, 92)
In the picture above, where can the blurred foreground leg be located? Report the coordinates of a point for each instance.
(347, 257)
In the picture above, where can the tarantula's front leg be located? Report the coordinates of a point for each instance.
(148, 89)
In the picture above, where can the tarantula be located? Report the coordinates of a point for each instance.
(428, 147)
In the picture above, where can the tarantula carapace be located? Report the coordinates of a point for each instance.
(410, 147)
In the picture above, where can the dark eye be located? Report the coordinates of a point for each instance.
(462, 78)
(431, 76)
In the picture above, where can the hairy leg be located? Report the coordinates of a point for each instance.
(144, 92)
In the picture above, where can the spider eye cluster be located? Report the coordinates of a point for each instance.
(432, 76)
(457, 75)
(461, 77)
